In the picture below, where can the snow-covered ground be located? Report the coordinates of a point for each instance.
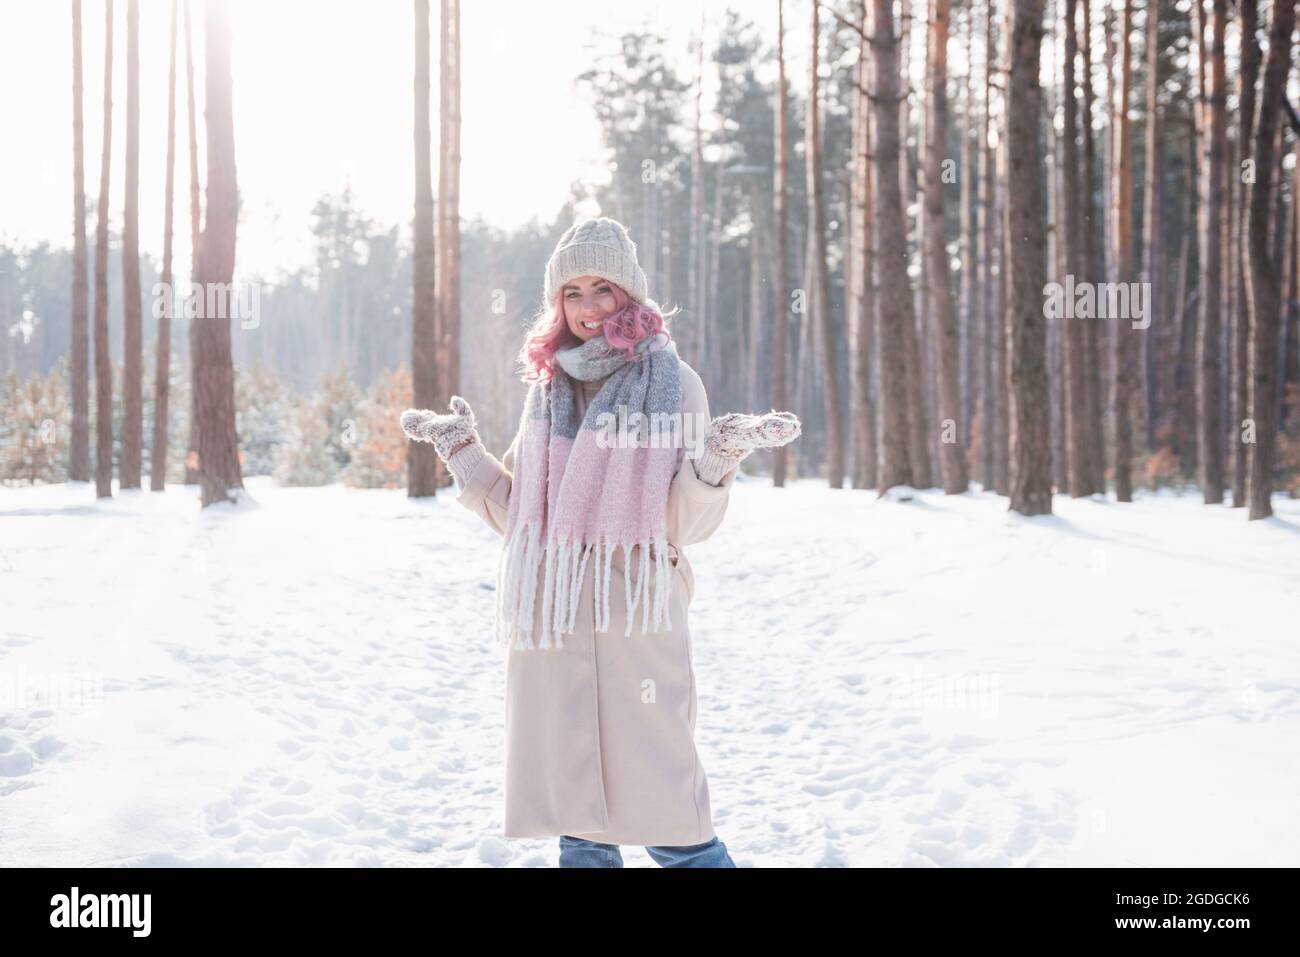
(310, 680)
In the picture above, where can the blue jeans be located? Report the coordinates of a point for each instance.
(576, 852)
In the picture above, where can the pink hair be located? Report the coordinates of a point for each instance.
(628, 324)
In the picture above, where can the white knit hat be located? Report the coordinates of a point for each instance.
(596, 247)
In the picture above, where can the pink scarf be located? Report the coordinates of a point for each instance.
(579, 490)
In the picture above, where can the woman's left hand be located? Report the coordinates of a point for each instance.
(736, 434)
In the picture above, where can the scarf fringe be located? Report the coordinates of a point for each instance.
(563, 568)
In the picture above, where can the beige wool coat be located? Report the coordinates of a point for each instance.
(599, 740)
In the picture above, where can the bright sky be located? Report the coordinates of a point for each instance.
(323, 99)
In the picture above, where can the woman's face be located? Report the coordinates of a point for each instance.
(587, 300)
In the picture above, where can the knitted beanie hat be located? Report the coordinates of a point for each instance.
(596, 247)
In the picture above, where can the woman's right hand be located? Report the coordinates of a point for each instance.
(449, 432)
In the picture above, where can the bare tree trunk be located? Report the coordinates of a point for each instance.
(219, 476)
(969, 241)
(781, 332)
(1208, 353)
(713, 327)
(817, 246)
(1075, 392)
(1152, 246)
(103, 368)
(896, 317)
(1123, 341)
(987, 223)
(79, 450)
(421, 457)
(1198, 151)
(861, 315)
(1031, 452)
(1282, 226)
(1055, 255)
(1291, 360)
(128, 468)
(162, 357)
(1001, 398)
(658, 277)
(1182, 412)
(758, 306)
(952, 454)
(663, 236)
(1185, 377)
(447, 273)
(695, 261)
(1093, 259)
(1247, 77)
(806, 450)
(918, 436)
(1265, 288)
(196, 242)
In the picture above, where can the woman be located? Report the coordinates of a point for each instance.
(600, 690)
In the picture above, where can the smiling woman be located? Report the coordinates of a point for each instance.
(588, 302)
(586, 760)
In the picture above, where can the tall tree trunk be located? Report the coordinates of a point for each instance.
(1122, 386)
(952, 453)
(987, 229)
(781, 288)
(1247, 77)
(759, 310)
(162, 359)
(421, 457)
(1282, 224)
(914, 364)
(817, 245)
(219, 476)
(1152, 247)
(447, 272)
(969, 240)
(1031, 453)
(1055, 255)
(863, 312)
(196, 241)
(1093, 259)
(1265, 288)
(1187, 429)
(695, 261)
(807, 450)
(1291, 361)
(1002, 398)
(713, 328)
(79, 450)
(128, 468)
(1076, 422)
(103, 368)
(895, 310)
(1208, 352)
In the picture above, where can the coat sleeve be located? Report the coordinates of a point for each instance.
(695, 507)
(485, 483)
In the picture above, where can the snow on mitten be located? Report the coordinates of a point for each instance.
(733, 436)
(445, 431)
(736, 434)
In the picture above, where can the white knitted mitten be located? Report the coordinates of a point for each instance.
(445, 431)
(733, 436)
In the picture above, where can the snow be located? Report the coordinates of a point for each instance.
(309, 679)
